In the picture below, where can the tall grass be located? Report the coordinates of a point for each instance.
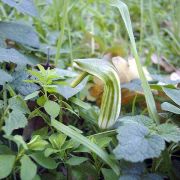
(123, 9)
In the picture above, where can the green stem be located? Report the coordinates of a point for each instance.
(142, 26)
(61, 36)
(79, 79)
(133, 105)
(70, 42)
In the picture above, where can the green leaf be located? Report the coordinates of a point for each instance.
(123, 9)
(109, 174)
(12, 55)
(4, 77)
(45, 162)
(169, 132)
(136, 171)
(80, 103)
(52, 108)
(6, 165)
(57, 140)
(5, 150)
(22, 87)
(136, 143)
(17, 103)
(37, 143)
(28, 168)
(174, 94)
(18, 140)
(1, 104)
(76, 160)
(49, 151)
(87, 143)
(41, 100)
(32, 95)
(170, 107)
(20, 33)
(15, 120)
(23, 6)
(67, 91)
(141, 119)
(111, 99)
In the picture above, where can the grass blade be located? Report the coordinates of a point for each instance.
(148, 94)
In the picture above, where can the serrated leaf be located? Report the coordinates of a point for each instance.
(20, 33)
(141, 119)
(174, 94)
(136, 171)
(11, 55)
(136, 143)
(76, 160)
(23, 6)
(45, 162)
(170, 107)
(67, 91)
(17, 103)
(15, 120)
(22, 87)
(169, 132)
(28, 168)
(6, 165)
(4, 77)
(52, 108)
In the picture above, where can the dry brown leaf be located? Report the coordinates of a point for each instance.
(127, 70)
(162, 61)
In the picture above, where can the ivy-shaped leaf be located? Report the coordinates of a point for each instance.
(19, 33)
(4, 77)
(141, 119)
(169, 132)
(136, 171)
(15, 120)
(23, 6)
(136, 143)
